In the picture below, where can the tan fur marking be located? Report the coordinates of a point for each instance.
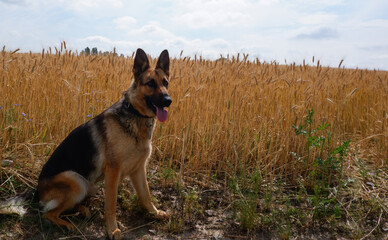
(67, 189)
(128, 151)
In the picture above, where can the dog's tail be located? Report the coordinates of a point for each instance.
(18, 204)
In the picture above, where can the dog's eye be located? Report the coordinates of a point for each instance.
(151, 84)
(165, 83)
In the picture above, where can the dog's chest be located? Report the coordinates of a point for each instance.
(135, 157)
(129, 150)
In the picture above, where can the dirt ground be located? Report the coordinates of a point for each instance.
(134, 222)
(209, 216)
(199, 208)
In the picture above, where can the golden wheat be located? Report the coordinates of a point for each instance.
(226, 115)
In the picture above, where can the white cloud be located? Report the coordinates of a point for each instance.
(12, 1)
(319, 34)
(157, 35)
(97, 39)
(382, 57)
(268, 2)
(318, 19)
(207, 19)
(271, 29)
(125, 22)
(153, 30)
(381, 23)
(198, 14)
(154, 37)
(89, 5)
(318, 4)
(106, 44)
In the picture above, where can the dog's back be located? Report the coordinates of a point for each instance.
(75, 153)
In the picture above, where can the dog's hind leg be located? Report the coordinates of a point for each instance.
(62, 192)
(92, 190)
(53, 216)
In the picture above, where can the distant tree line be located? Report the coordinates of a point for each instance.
(94, 51)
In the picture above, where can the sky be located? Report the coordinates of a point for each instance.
(270, 30)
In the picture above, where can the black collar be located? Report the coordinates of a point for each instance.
(127, 107)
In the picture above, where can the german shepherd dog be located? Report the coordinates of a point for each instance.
(111, 146)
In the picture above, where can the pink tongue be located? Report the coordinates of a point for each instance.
(161, 114)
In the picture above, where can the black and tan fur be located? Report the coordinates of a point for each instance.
(111, 146)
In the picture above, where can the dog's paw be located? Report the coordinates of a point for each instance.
(84, 211)
(115, 234)
(159, 214)
(70, 227)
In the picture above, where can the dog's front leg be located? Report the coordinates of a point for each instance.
(112, 176)
(139, 181)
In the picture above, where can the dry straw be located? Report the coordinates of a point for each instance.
(226, 115)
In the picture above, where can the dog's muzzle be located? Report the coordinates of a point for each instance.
(166, 101)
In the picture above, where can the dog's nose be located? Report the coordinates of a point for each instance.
(166, 101)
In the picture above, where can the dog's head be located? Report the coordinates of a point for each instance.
(148, 92)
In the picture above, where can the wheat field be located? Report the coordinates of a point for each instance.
(226, 115)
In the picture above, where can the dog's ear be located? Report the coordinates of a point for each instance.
(164, 62)
(141, 63)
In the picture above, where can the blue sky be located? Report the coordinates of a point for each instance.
(330, 30)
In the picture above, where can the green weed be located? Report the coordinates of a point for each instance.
(325, 177)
